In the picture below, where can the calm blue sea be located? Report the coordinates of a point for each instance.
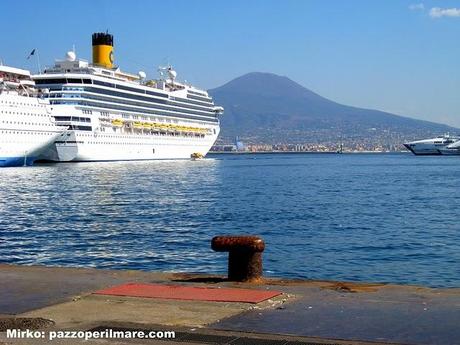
(364, 217)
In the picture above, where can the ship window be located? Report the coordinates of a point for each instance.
(81, 128)
(157, 94)
(87, 81)
(122, 87)
(97, 82)
(51, 81)
(74, 81)
(62, 118)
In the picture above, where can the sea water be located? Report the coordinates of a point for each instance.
(359, 217)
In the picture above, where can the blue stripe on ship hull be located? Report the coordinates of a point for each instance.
(16, 161)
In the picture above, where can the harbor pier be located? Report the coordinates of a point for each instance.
(210, 309)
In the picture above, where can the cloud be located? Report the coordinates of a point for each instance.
(416, 7)
(437, 12)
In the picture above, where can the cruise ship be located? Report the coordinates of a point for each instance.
(114, 115)
(27, 125)
(431, 146)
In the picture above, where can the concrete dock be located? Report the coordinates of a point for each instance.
(307, 312)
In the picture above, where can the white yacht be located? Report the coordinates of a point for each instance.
(114, 115)
(451, 150)
(431, 146)
(27, 124)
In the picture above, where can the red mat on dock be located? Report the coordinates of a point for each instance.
(180, 292)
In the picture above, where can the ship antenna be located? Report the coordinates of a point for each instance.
(160, 70)
(38, 63)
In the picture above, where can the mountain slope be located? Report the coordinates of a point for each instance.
(264, 107)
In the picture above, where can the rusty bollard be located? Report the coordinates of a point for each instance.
(244, 257)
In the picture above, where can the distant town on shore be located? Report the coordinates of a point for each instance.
(265, 112)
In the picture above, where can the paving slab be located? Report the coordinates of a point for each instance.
(24, 288)
(189, 293)
(100, 308)
(396, 314)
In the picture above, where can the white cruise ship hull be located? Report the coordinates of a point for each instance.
(75, 146)
(25, 148)
(26, 129)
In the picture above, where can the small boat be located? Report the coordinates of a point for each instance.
(196, 155)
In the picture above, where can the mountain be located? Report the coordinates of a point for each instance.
(271, 109)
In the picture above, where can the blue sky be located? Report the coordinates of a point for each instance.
(394, 55)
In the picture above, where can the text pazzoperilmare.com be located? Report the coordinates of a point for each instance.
(86, 335)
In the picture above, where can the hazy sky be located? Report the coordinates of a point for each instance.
(394, 55)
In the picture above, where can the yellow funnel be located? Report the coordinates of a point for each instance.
(103, 49)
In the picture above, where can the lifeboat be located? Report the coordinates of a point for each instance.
(138, 124)
(117, 123)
